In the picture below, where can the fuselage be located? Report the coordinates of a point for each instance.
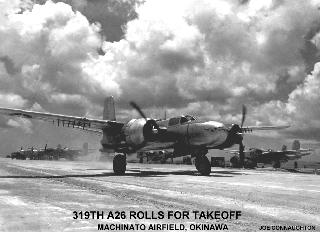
(189, 132)
(183, 133)
(196, 133)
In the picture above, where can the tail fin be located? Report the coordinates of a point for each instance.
(109, 110)
(284, 148)
(296, 145)
(85, 148)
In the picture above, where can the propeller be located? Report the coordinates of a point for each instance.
(241, 146)
(137, 108)
(244, 113)
(150, 123)
(241, 154)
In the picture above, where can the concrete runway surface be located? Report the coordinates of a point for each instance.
(42, 195)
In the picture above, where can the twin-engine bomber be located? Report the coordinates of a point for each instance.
(185, 134)
(253, 156)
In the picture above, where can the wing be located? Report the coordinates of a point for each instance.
(90, 130)
(305, 149)
(253, 128)
(236, 152)
(87, 124)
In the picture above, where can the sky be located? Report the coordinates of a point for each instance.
(204, 58)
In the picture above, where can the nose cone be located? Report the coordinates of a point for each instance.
(235, 134)
(214, 124)
(208, 134)
(217, 133)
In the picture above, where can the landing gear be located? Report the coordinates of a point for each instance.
(203, 165)
(250, 164)
(276, 164)
(241, 155)
(119, 164)
(235, 163)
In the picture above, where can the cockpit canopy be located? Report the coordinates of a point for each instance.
(180, 120)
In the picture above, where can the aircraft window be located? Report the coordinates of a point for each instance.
(174, 121)
(190, 118)
(183, 120)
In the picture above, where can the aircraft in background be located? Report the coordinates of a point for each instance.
(185, 134)
(253, 156)
(50, 153)
(22, 154)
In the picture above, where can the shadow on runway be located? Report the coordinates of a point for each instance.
(131, 172)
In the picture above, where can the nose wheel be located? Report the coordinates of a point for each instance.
(276, 164)
(119, 164)
(241, 155)
(203, 165)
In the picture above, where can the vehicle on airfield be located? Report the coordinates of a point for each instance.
(160, 156)
(255, 157)
(185, 134)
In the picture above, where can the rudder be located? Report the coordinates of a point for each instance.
(109, 110)
(284, 148)
(296, 145)
(109, 133)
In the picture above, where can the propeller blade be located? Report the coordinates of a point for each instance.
(241, 154)
(137, 108)
(244, 113)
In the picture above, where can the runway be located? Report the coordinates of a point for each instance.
(42, 195)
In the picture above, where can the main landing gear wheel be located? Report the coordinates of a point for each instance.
(235, 163)
(119, 164)
(203, 165)
(276, 164)
(250, 164)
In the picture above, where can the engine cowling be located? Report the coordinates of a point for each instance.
(139, 131)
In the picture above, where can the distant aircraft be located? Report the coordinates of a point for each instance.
(253, 156)
(50, 153)
(24, 154)
(185, 134)
(62, 153)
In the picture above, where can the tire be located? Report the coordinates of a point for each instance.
(235, 162)
(119, 164)
(276, 164)
(250, 164)
(203, 165)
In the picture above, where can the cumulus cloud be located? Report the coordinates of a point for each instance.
(45, 52)
(112, 15)
(220, 52)
(210, 57)
(22, 123)
(301, 110)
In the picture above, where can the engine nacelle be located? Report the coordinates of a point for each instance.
(139, 131)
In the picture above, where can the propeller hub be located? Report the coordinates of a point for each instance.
(150, 130)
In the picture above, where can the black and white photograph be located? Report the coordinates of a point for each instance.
(159, 115)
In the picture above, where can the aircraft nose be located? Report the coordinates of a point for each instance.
(216, 133)
(236, 134)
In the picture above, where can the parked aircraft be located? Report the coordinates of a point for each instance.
(50, 153)
(185, 134)
(253, 156)
(22, 154)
